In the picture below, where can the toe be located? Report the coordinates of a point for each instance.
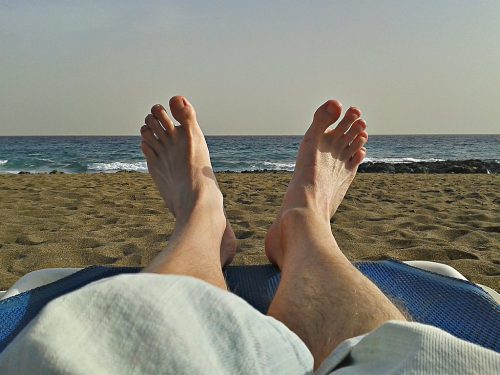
(148, 151)
(357, 127)
(161, 115)
(351, 115)
(148, 136)
(355, 146)
(183, 111)
(325, 116)
(156, 127)
(356, 159)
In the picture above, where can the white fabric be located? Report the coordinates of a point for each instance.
(157, 324)
(410, 348)
(154, 324)
(440, 268)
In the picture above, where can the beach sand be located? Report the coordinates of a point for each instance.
(120, 220)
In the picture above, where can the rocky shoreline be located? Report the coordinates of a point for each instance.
(438, 167)
(472, 166)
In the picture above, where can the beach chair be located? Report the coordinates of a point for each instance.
(431, 293)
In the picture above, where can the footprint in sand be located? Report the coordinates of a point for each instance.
(244, 224)
(454, 254)
(134, 260)
(103, 259)
(243, 234)
(111, 220)
(88, 242)
(244, 201)
(129, 248)
(490, 229)
(29, 239)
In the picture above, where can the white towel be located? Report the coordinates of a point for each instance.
(157, 324)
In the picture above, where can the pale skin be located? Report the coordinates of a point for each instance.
(322, 297)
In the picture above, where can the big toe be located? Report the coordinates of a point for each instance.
(325, 116)
(183, 111)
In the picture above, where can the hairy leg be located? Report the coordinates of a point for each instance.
(322, 297)
(179, 163)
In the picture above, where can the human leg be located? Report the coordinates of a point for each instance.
(179, 163)
(322, 297)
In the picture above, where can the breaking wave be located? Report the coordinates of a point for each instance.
(118, 166)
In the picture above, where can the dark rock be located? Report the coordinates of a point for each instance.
(24, 172)
(448, 166)
(370, 167)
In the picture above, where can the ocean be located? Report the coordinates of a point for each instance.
(72, 154)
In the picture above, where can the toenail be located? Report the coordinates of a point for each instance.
(158, 107)
(143, 128)
(355, 111)
(332, 107)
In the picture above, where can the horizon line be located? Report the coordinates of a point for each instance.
(239, 135)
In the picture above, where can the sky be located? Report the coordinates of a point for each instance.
(249, 67)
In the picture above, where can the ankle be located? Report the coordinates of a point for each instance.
(206, 205)
(306, 238)
(308, 200)
(301, 218)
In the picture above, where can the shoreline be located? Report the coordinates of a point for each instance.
(77, 220)
(470, 166)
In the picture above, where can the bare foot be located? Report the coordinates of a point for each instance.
(326, 165)
(179, 163)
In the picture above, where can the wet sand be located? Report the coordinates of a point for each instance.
(120, 220)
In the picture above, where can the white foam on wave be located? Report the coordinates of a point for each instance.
(10, 172)
(2, 162)
(279, 165)
(140, 166)
(399, 160)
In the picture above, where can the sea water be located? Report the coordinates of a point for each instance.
(228, 153)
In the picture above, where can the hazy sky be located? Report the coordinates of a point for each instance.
(249, 67)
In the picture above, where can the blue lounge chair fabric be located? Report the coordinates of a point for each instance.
(458, 307)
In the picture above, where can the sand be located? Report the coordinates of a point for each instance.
(120, 220)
